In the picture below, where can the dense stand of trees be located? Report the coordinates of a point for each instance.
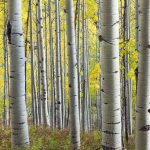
(58, 42)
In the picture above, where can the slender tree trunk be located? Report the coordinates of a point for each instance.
(39, 66)
(127, 92)
(98, 104)
(137, 23)
(52, 64)
(65, 72)
(109, 38)
(73, 76)
(46, 59)
(98, 92)
(78, 57)
(58, 69)
(35, 114)
(6, 77)
(45, 115)
(84, 79)
(19, 125)
(26, 47)
(127, 19)
(143, 87)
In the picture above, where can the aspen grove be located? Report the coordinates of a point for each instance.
(75, 74)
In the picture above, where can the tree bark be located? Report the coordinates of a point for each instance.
(143, 87)
(19, 125)
(44, 100)
(109, 38)
(58, 69)
(73, 76)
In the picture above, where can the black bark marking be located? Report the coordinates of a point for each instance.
(9, 32)
(108, 148)
(136, 76)
(12, 77)
(114, 123)
(149, 110)
(115, 23)
(102, 90)
(116, 72)
(108, 132)
(69, 43)
(20, 34)
(148, 46)
(115, 57)
(145, 128)
(21, 123)
(65, 11)
(102, 39)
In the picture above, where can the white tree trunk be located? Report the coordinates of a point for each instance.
(84, 68)
(6, 74)
(73, 76)
(35, 114)
(20, 136)
(109, 38)
(52, 65)
(45, 115)
(58, 69)
(143, 90)
(136, 23)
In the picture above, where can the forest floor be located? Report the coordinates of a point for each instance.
(45, 139)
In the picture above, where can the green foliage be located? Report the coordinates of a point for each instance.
(44, 138)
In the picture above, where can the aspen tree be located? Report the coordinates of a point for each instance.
(73, 76)
(19, 125)
(143, 86)
(109, 38)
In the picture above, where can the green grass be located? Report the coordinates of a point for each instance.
(45, 139)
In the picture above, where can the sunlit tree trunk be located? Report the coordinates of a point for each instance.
(73, 77)
(143, 87)
(19, 125)
(109, 38)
